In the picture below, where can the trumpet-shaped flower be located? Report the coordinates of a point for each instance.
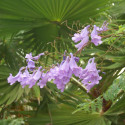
(89, 75)
(12, 79)
(60, 74)
(29, 56)
(83, 37)
(83, 43)
(77, 37)
(25, 78)
(37, 57)
(42, 82)
(104, 27)
(38, 74)
(73, 66)
(95, 38)
(31, 64)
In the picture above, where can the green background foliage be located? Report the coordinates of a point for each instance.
(47, 26)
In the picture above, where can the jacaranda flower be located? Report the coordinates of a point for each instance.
(44, 79)
(83, 37)
(89, 75)
(59, 74)
(29, 56)
(95, 38)
(31, 64)
(73, 66)
(12, 79)
(104, 27)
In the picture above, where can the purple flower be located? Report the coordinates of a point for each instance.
(73, 66)
(96, 40)
(76, 59)
(31, 82)
(11, 79)
(37, 57)
(64, 75)
(25, 78)
(23, 74)
(42, 82)
(89, 75)
(64, 57)
(85, 31)
(83, 36)
(29, 56)
(60, 74)
(53, 73)
(104, 27)
(59, 84)
(65, 65)
(33, 78)
(30, 79)
(38, 74)
(83, 43)
(31, 64)
(64, 70)
(94, 36)
(77, 37)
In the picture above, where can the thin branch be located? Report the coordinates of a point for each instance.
(77, 83)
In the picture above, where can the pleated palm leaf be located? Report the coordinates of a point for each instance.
(43, 21)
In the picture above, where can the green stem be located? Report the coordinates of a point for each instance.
(79, 84)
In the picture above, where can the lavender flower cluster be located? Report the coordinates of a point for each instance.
(62, 73)
(83, 36)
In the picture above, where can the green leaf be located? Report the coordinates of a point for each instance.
(117, 110)
(40, 22)
(115, 65)
(63, 116)
(118, 107)
(37, 92)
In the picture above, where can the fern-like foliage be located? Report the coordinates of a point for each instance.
(116, 89)
(91, 106)
(113, 92)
